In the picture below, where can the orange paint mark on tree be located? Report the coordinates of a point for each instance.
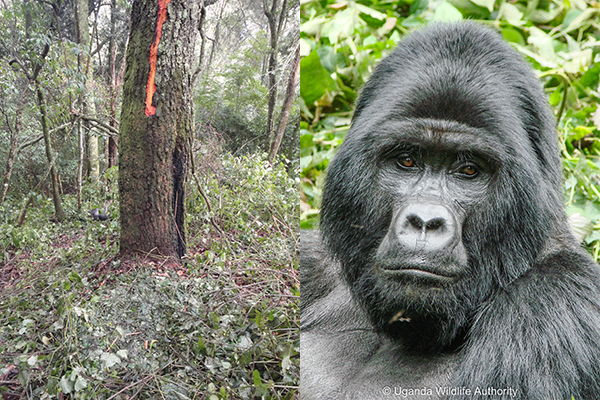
(151, 86)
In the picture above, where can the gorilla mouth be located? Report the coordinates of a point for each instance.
(418, 273)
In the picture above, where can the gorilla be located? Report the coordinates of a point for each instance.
(445, 267)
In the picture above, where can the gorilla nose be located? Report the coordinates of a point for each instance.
(427, 227)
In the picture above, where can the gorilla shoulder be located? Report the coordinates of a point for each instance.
(318, 275)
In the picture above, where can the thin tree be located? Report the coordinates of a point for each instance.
(85, 101)
(287, 106)
(156, 126)
(37, 64)
(275, 16)
(14, 132)
(116, 79)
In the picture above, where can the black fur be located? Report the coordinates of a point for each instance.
(97, 215)
(513, 302)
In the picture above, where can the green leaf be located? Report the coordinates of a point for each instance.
(305, 47)
(417, 8)
(256, 379)
(591, 77)
(543, 16)
(285, 363)
(306, 140)
(341, 26)
(513, 36)
(66, 385)
(581, 226)
(511, 14)
(201, 347)
(595, 235)
(314, 79)
(446, 12)
(371, 12)
(328, 58)
(313, 27)
(469, 9)
(489, 4)
(556, 96)
(80, 384)
(109, 359)
(579, 19)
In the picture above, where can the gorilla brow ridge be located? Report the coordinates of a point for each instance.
(467, 141)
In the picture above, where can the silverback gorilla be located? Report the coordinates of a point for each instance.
(445, 267)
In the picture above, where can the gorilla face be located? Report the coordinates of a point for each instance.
(435, 200)
(433, 188)
(436, 178)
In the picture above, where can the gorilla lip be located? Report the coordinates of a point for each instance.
(418, 273)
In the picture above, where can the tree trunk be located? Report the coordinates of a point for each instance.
(81, 147)
(59, 214)
(274, 29)
(92, 147)
(87, 106)
(215, 42)
(156, 126)
(115, 82)
(287, 106)
(37, 64)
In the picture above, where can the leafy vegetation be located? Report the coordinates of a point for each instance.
(76, 320)
(76, 323)
(342, 41)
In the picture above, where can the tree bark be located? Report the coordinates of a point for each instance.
(80, 160)
(287, 106)
(274, 29)
(156, 126)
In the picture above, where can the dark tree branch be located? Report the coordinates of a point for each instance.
(20, 65)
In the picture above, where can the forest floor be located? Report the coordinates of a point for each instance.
(77, 323)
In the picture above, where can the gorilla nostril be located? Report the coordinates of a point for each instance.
(415, 221)
(434, 224)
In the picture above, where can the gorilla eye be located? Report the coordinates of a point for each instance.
(407, 161)
(468, 170)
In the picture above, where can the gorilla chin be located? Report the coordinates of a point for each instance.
(416, 301)
(444, 256)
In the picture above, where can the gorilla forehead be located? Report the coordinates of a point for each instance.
(452, 136)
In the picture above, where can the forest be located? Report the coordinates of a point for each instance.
(149, 200)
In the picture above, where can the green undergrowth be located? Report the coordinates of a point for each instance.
(77, 324)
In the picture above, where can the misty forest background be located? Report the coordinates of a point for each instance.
(78, 320)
